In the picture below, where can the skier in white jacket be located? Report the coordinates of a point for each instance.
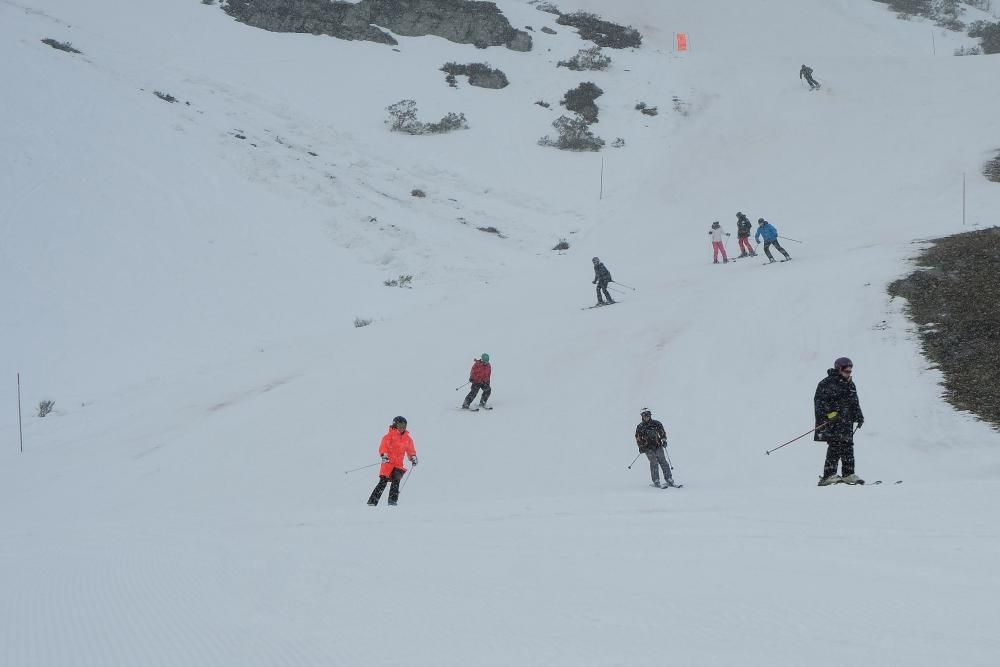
(717, 245)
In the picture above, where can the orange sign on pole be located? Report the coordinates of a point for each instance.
(682, 41)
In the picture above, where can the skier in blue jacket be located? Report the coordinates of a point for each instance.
(770, 234)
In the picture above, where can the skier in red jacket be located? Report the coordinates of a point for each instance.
(396, 445)
(479, 376)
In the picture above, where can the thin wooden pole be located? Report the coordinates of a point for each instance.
(601, 195)
(963, 199)
(20, 433)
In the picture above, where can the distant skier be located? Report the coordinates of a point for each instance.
(396, 445)
(743, 229)
(837, 410)
(601, 278)
(770, 235)
(652, 441)
(717, 244)
(807, 74)
(479, 376)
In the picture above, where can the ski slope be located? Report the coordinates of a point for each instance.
(187, 298)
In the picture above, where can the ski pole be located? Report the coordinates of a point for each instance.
(634, 460)
(407, 478)
(462, 385)
(768, 452)
(788, 239)
(362, 467)
(667, 456)
(623, 285)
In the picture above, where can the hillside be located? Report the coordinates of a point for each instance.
(184, 279)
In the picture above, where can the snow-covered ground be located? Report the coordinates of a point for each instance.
(183, 280)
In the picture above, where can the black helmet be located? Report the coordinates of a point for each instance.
(398, 420)
(715, 224)
(645, 411)
(739, 214)
(595, 260)
(761, 221)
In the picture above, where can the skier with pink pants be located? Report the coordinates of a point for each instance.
(717, 245)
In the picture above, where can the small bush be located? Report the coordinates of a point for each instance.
(417, 193)
(208, 2)
(574, 135)
(542, 104)
(649, 111)
(401, 281)
(45, 407)
(587, 59)
(491, 230)
(968, 51)
(581, 100)
(62, 46)
(988, 35)
(480, 75)
(166, 97)
(451, 81)
(549, 31)
(601, 32)
(618, 143)
(403, 118)
(992, 169)
(562, 245)
(361, 322)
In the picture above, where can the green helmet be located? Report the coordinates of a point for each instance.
(485, 358)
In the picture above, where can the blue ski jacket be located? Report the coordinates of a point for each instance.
(768, 231)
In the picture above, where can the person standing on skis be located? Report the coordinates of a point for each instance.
(652, 441)
(395, 447)
(743, 229)
(602, 277)
(717, 245)
(479, 377)
(807, 74)
(838, 409)
(770, 234)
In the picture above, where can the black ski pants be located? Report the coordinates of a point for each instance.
(767, 249)
(841, 451)
(602, 286)
(397, 474)
(811, 81)
(471, 396)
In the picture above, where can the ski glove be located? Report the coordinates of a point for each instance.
(593, 282)
(413, 459)
(385, 458)
(860, 422)
(831, 415)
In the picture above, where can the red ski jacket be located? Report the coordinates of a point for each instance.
(480, 373)
(398, 447)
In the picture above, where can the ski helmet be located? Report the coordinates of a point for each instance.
(485, 358)
(842, 363)
(398, 420)
(595, 260)
(739, 214)
(645, 411)
(761, 221)
(715, 224)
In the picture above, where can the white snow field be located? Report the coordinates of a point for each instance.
(183, 281)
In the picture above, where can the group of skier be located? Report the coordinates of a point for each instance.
(766, 232)
(836, 405)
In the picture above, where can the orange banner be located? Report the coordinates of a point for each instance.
(682, 41)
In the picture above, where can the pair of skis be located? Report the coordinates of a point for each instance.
(476, 409)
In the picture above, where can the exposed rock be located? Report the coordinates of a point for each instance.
(479, 23)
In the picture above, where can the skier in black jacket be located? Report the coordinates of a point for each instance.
(837, 410)
(652, 440)
(601, 278)
(743, 229)
(807, 74)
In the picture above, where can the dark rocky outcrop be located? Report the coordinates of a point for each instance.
(479, 23)
(955, 299)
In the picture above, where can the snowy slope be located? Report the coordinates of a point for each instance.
(187, 297)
